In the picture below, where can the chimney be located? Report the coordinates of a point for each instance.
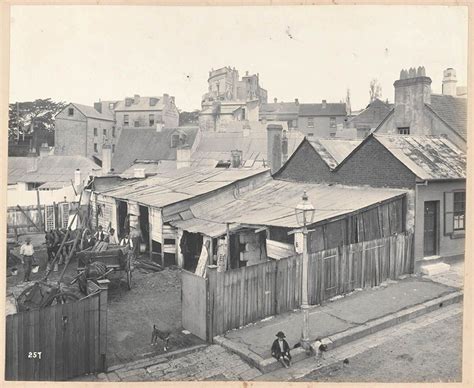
(274, 148)
(412, 92)
(236, 158)
(183, 157)
(166, 99)
(247, 73)
(106, 159)
(136, 99)
(77, 178)
(324, 104)
(284, 148)
(297, 102)
(44, 150)
(449, 82)
(139, 173)
(275, 100)
(128, 101)
(98, 106)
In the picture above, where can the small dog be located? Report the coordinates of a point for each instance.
(162, 335)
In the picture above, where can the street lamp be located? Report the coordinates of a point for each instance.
(304, 216)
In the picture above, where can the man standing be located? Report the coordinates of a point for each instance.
(281, 349)
(27, 252)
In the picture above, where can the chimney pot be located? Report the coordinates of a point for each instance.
(275, 100)
(236, 157)
(77, 178)
(297, 101)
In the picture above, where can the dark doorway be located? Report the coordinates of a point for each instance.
(123, 219)
(145, 225)
(190, 246)
(234, 261)
(431, 221)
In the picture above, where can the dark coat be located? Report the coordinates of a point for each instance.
(276, 351)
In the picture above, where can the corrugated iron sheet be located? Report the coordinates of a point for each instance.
(428, 157)
(274, 203)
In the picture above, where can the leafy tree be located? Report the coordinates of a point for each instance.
(25, 117)
(189, 118)
(375, 89)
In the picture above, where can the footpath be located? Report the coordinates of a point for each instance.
(346, 325)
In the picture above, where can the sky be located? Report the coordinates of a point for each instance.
(85, 53)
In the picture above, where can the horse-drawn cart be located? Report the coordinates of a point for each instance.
(93, 264)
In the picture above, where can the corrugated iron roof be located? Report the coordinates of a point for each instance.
(170, 187)
(334, 151)
(274, 203)
(428, 157)
(51, 168)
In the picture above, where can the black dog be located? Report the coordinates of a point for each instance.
(162, 335)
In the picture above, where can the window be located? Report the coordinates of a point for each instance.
(111, 106)
(310, 134)
(152, 119)
(459, 210)
(403, 130)
(113, 148)
(332, 122)
(113, 131)
(136, 123)
(95, 131)
(454, 212)
(70, 112)
(96, 149)
(104, 132)
(294, 124)
(125, 120)
(332, 134)
(310, 122)
(174, 140)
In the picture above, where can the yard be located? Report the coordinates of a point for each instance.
(155, 299)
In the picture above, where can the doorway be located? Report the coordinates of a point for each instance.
(431, 228)
(190, 246)
(145, 225)
(123, 227)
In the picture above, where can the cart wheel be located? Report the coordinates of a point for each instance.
(61, 298)
(129, 279)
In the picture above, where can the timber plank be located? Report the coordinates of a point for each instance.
(37, 344)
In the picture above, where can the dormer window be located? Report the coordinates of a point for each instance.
(174, 140)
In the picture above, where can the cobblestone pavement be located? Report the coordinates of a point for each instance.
(453, 278)
(210, 363)
(311, 366)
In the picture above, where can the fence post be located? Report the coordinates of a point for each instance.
(210, 293)
(104, 285)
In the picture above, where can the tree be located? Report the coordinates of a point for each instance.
(25, 117)
(189, 118)
(375, 89)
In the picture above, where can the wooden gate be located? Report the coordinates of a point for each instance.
(57, 342)
(194, 304)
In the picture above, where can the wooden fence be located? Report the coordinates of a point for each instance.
(244, 295)
(57, 342)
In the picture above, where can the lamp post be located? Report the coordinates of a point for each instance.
(304, 216)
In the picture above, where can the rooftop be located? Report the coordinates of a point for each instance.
(273, 204)
(323, 109)
(142, 103)
(334, 151)
(453, 110)
(89, 111)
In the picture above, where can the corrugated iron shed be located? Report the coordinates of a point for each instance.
(274, 203)
(171, 187)
(428, 157)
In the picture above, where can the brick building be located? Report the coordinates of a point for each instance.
(432, 169)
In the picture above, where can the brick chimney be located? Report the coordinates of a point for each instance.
(274, 154)
(449, 82)
(297, 102)
(136, 99)
(98, 106)
(106, 159)
(275, 100)
(236, 158)
(412, 92)
(324, 104)
(284, 147)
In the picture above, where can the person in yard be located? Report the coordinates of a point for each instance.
(112, 237)
(126, 242)
(27, 255)
(281, 350)
(100, 235)
(49, 237)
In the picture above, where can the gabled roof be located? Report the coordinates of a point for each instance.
(428, 157)
(147, 143)
(328, 109)
(89, 111)
(334, 151)
(372, 115)
(52, 168)
(452, 110)
(273, 204)
(143, 103)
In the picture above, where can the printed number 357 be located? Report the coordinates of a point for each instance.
(34, 355)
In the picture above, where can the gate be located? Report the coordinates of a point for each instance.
(57, 342)
(194, 304)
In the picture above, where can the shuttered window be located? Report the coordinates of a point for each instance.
(454, 211)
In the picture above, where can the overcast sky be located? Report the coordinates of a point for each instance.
(86, 53)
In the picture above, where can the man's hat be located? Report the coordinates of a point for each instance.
(280, 334)
(28, 239)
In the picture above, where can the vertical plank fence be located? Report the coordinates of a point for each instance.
(58, 342)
